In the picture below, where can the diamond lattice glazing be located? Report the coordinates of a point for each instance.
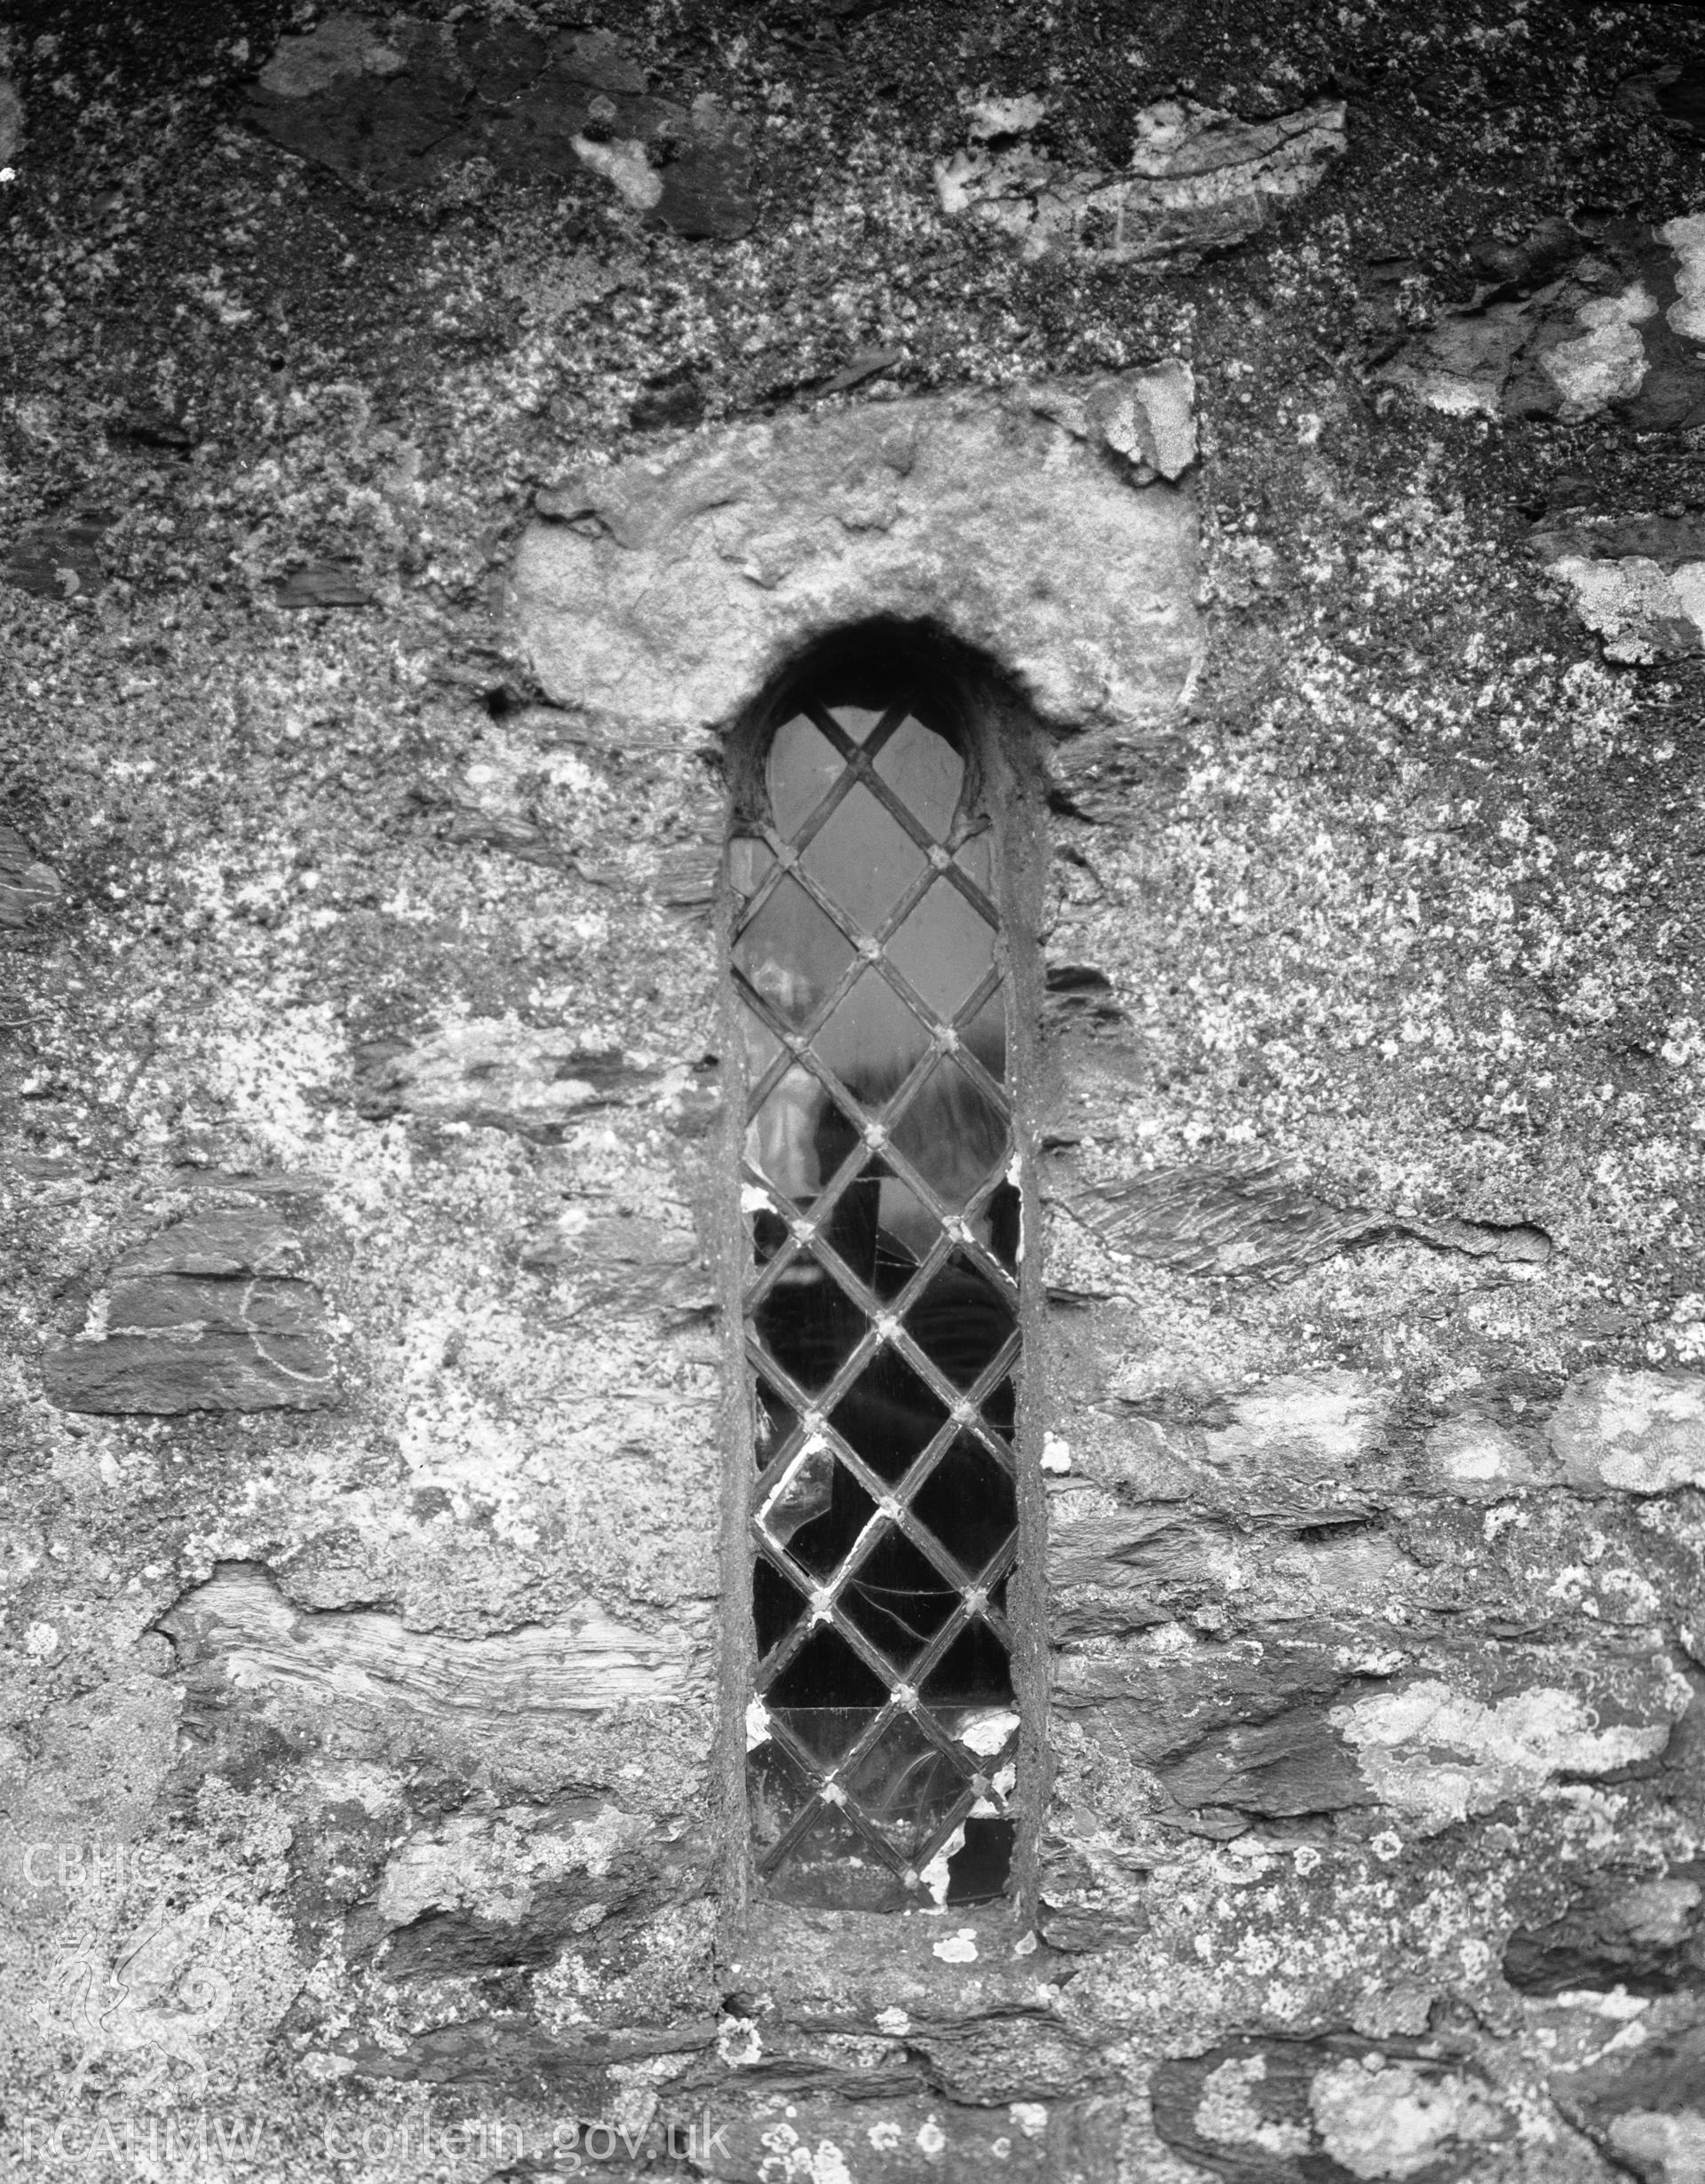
(882, 1314)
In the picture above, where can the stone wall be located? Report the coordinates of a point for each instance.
(425, 434)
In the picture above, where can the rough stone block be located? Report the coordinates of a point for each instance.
(476, 1892)
(1302, 1449)
(666, 591)
(1198, 180)
(1324, 2112)
(1642, 2099)
(1569, 325)
(1473, 1456)
(503, 1074)
(1437, 1731)
(1160, 1700)
(239, 1633)
(1641, 1935)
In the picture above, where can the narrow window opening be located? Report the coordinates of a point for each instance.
(882, 1215)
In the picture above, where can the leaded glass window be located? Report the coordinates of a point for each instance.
(882, 1211)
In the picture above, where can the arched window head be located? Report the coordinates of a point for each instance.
(880, 1190)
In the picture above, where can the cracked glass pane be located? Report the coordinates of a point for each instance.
(882, 1215)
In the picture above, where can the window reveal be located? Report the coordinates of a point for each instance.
(882, 1332)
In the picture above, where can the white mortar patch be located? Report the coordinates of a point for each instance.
(1474, 1453)
(625, 164)
(1607, 363)
(1643, 612)
(1643, 1432)
(1686, 238)
(1226, 2112)
(1393, 2120)
(1670, 2146)
(1440, 1756)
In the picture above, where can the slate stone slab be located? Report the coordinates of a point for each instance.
(394, 110)
(1293, 1764)
(1640, 1934)
(182, 1300)
(1643, 2103)
(28, 887)
(1567, 325)
(58, 559)
(166, 1375)
(323, 585)
(1225, 1221)
(223, 1241)
(204, 1316)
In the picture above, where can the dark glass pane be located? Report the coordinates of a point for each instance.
(985, 1728)
(1003, 1219)
(832, 1867)
(776, 1604)
(808, 1323)
(750, 864)
(970, 1502)
(980, 1869)
(799, 1137)
(773, 1422)
(972, 1679)
(986, 1035)
(889, 1415)
(779, 1788)
(825, 1672)
(945, 948)
(976, 859)
(906, 1232)
(960, 1322)
(1001, 1408)
(857, 721)
(822, 1543)
(801, 1496)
